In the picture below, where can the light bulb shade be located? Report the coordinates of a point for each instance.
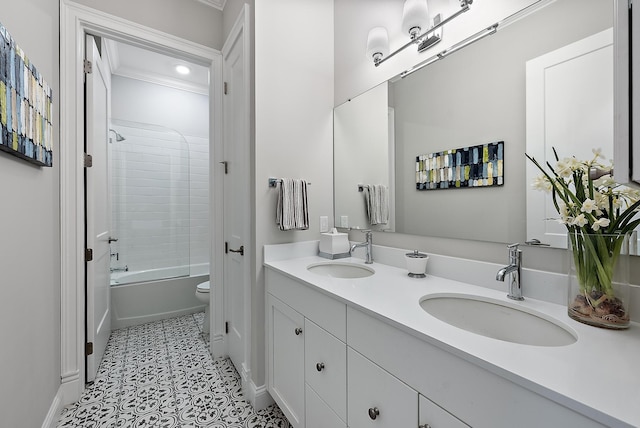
(415, 14)
(378, 43)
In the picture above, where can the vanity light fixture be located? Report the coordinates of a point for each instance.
(377, 44)
(415, 16)
(466, 42)
(183, 69)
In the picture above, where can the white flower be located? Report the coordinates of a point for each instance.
(580, 221)
(563, 168)
(602, 201)
(588, 206)
(598, 153)
(604, 181)
(541, 183)
(601, 222)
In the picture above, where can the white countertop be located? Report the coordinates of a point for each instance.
(598, 375)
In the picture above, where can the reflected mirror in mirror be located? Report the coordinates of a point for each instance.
(474, 96)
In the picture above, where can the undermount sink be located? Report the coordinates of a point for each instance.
(341, 270)
(497, 319)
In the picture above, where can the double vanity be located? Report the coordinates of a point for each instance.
(364, 345)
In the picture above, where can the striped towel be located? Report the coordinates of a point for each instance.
(292, 212)
(376, 198)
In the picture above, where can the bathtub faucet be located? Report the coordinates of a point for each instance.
(120, 269)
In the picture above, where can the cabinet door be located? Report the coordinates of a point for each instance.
(433, 416)
(376, 398)
(319, 414)
(285, 370)
(326, 367)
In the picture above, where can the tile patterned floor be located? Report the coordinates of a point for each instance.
(162, 375)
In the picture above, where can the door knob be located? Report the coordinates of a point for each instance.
(319, 366)
(374, 413)
(298, 331)
(239, 250)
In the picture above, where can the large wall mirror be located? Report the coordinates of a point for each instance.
(475, 96)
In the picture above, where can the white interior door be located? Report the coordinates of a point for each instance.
(98, 315)
(569, 107)
(236, 198)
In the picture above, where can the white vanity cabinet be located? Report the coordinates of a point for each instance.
(306, 353)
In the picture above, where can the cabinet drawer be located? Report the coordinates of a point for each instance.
(319, 414)
(325, 311)
(376, 398)
(433, 416)
(326, 367)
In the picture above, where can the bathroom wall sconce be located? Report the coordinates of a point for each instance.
(415, 17)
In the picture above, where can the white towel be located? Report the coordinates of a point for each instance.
(292, 211)
(377, 203)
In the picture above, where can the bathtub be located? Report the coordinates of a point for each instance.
(138, 298)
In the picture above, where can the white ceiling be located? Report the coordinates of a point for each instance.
(137, 63)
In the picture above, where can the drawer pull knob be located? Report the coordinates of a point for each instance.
(298, 331)
(319, 366)
(374, 413)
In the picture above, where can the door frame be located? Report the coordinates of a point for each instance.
(75, 21)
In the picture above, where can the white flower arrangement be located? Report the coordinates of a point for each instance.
(598, 214)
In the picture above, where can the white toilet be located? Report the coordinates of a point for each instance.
(202, 294)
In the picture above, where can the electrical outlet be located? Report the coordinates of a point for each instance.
(324, 223)
(344, 221)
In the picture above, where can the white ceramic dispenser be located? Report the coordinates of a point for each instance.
(334, 245)
(416, 264)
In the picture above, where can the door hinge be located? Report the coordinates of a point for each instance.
(88, 255)
(225, 88)
(88, 348)
(88, 160)
(226, 166)
(88, 67)
(226, 327)
(226, 247)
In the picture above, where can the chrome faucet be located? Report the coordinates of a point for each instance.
(514, 270)
(368, 244)
(120, 269)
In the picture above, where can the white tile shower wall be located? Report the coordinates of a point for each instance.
(151, 204)
(139, 101)
(199, 200)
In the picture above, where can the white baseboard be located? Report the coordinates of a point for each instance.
(70, 390)
(53, 415)
(217, 346)
(258, 396)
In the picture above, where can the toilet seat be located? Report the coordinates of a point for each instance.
(203, 287)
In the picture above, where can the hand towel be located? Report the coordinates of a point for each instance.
(292, 212)
(377, 203)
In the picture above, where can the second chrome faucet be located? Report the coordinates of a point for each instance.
(368, 244)
(514, 270)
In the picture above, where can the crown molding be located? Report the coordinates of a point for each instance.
(218, 4)
(158, 79)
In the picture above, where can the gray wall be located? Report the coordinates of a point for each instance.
(187, 19)
(30, 243)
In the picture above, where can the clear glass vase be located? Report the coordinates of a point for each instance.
(599, 279)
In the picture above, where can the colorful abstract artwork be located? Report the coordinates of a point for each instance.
(26, 106)
(476, 166)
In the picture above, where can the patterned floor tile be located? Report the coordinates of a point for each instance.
(161, 375)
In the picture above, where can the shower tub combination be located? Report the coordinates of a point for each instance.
(159, 217)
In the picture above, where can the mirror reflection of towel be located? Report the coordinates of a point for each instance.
(377, 201)
(292, 211)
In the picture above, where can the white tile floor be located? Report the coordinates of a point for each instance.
(162, 375)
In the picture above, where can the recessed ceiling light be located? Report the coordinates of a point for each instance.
(183, 69)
